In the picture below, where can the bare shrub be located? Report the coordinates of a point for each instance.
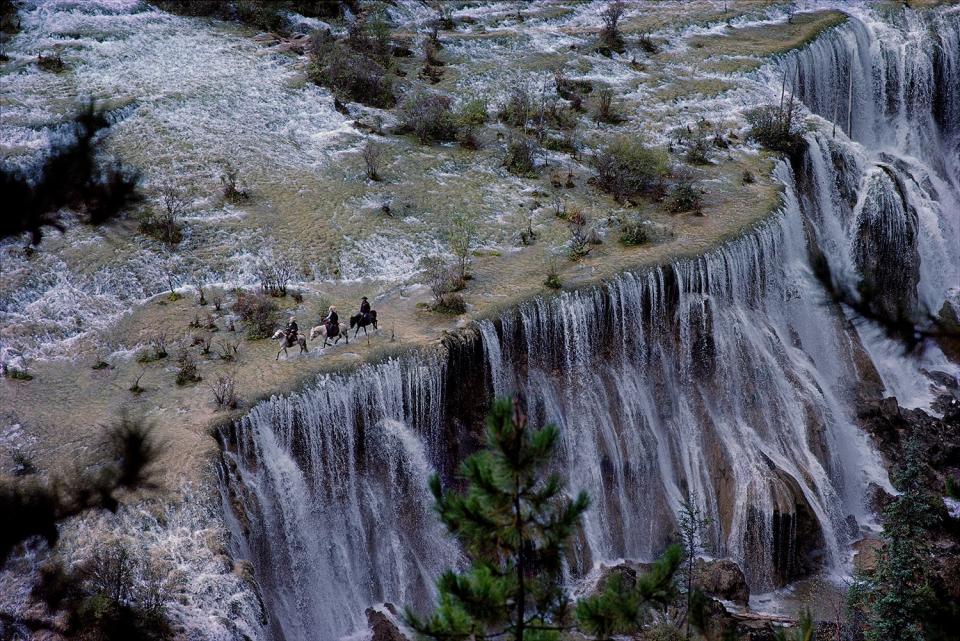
(519, 107)
(604, 109)
(234, 188)
(227, 349)
(372, 154)
(610, 37)
(258, 313)
(187, 369)
(429, 117)
(274, 277)
(778, 129)
(441, 278)
(519, 157)
(163, 222)
(224, 391)
(156, 349)
(350, 71)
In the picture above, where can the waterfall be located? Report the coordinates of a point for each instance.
(335, 508)
(730, 379)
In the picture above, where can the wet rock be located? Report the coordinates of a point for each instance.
(384, 622)
(866, 554)
(877, 498)
(723, 579)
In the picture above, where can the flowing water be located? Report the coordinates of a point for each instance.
(731, 379)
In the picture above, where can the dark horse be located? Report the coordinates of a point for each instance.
(360, 321)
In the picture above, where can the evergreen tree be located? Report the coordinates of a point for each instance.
(896, 596)
(515, 521)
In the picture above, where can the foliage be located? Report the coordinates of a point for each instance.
(163, 223)
(274, 277)
(896, 597)
(692, 523)
(626, 167)
(472, 113)
(519, 157)
(428, 116)
(686, 196)
(519, 107)
(610, 37)
(70, 178)
(258, 313)
(462, 238)
(697, 153)
(578, 223)
(619, 610)
(633, 232)
(603, 107)
(352, 74)
(443, 282)
(514, 523)
(234, 189)
(553, 275)
(777, 129)
(187, 369)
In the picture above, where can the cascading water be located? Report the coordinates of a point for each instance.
(730, 379)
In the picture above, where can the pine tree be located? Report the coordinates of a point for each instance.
(897, 597)
(515, 522)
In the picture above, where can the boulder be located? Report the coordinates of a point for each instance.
(384, 623)
(723, 579)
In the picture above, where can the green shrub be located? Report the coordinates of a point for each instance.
(472, 113)
(262, 15)
(187, 372)
(519, 157)
(686, 196)
(626, 167)
(697, 154)
(518, 109)
(258, 313)
(19, 374)
(634, 232)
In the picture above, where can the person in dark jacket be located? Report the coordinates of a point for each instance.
(364, 307)
(331, 320)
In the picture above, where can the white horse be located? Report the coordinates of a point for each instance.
(282, 337)
(336, 333)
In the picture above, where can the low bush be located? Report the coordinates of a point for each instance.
(626, 167)
(519, 157)
(697, 153)
(372, 154)
(518, 109)
(258, 313)
(776, 129)
(234, 188)
(686, 196)
(610, 38)
(224, 392)
(429, 117)
(578, 224)
(633, 232)
(604, 109)
(748, 178)
(472, 113)
(186, 369)
(352, 75)
(552, 280)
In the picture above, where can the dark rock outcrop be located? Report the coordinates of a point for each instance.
(722, 579)
(383, 622)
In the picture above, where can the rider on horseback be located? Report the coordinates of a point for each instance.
(291, 331)
(331, 320)
(365, 308)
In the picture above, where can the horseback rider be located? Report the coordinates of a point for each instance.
(331, 320)
(365, 308)
(291, 331)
